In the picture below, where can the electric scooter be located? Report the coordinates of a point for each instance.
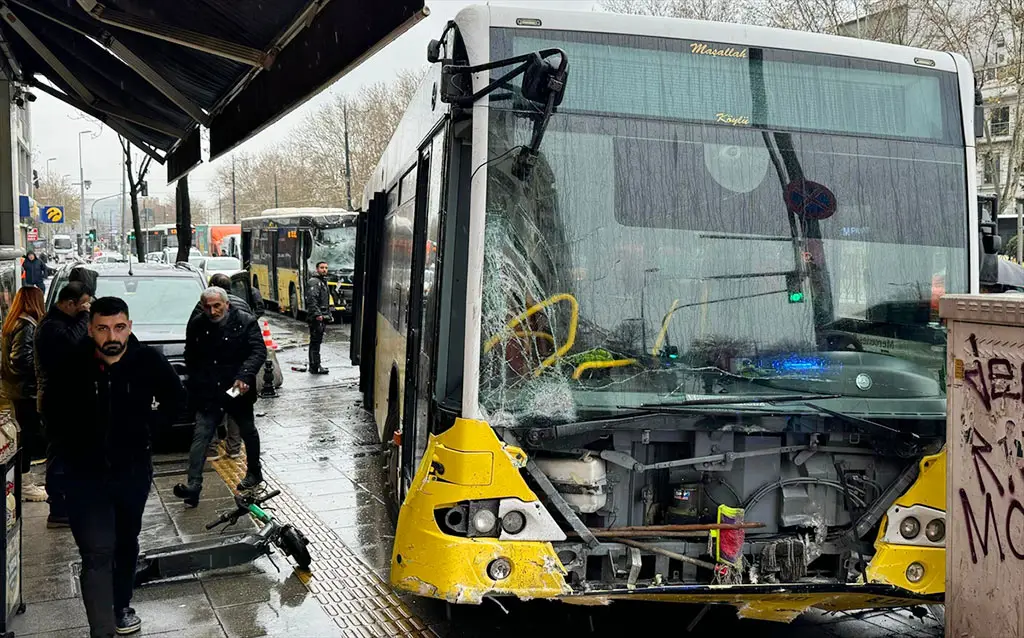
(228, 551)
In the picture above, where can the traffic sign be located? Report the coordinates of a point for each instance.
(810, 200)
(33, 234)
(52, 215)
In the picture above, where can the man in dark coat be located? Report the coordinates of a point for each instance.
(224, 351)
(57, 335)
(318, 314)
(108, 459)
(35, 271)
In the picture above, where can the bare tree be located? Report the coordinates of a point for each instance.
(134, 182)
(716, 10)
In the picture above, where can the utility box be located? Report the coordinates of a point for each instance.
(985, 456)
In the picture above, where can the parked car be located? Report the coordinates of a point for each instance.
(227, 265)
(161, 299)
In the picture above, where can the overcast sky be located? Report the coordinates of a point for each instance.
(55, 126)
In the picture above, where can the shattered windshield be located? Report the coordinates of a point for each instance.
(653, 257)
(336, 246)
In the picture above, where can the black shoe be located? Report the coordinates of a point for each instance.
(320, 370)
(57, 522)
(251, 481)
(128, 622)
(188, 494)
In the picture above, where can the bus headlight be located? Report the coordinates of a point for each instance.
(483, 521)
(935, 531)
(915, 572)
(910, 527)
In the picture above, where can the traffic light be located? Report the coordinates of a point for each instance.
(795, 287)
(35, 179)
(144, 188)
(92, 234)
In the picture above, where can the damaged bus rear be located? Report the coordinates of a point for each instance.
(646, 311)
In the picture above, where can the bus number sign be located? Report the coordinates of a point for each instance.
(293, 234)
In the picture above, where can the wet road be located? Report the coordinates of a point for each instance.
(323, 447)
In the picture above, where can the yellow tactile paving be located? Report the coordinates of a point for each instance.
(352, 594)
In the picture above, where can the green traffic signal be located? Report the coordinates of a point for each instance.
(796, 297)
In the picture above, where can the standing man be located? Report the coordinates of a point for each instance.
(318, 313)
(57, 336)
(108, 459)
(224, 351)
(34, 270)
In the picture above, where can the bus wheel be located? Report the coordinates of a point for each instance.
(293, 302)
(392, 461)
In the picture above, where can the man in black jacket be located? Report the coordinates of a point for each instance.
(57, 335)
(318, 314)
(35, 271)
(108, 459)
(224, 351)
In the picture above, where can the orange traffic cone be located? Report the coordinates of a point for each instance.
(268, 341)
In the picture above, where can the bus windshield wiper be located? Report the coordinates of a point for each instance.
(735, 399)
(856, 420)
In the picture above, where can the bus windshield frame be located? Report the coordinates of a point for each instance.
(666, 230)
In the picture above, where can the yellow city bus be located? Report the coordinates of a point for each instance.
(659, 327)
(281, 248)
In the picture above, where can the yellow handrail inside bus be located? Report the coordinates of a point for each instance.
(594, 365)
(664, 328)
(531, 333)
(534, 309)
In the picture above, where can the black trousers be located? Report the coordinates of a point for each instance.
(31, 431)
(105, 508)
(316, 337)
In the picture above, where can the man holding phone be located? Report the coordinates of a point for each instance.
(224, 351)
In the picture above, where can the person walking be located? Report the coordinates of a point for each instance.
(34, 271)
(224, 351)
(318, 314)
(57, 336)
(233, 440)
(18, 380)
(108, 457)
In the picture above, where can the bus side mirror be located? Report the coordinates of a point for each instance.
(991, 242)
(543, 79)
(979, 122)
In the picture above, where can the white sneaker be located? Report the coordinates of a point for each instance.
(33, 493)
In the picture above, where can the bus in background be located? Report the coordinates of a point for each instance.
(626, 274)
(282, 247)
(214, 240)
(158, 238)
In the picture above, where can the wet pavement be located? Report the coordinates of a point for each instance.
(321, 449)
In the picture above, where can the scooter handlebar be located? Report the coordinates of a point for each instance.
(243, 508)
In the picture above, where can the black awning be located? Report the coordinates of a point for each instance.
(156, 70)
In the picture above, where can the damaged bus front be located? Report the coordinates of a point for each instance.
(700, 360)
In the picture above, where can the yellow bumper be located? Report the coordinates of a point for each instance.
(468, 462)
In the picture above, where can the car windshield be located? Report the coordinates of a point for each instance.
(692, 233)
(62, 243)
(336, 246)
(167, 301)
(223, 264)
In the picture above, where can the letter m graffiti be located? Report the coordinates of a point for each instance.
(972, 526)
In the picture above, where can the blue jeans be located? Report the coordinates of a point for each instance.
(207, 421)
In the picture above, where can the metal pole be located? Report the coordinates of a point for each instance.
(1020, 230)
(275, 188)
(234, 200)
(348, 167)
(81, 184)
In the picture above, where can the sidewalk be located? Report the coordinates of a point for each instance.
(255, 600)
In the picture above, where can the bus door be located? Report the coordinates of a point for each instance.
(422, 335)
(272, 264)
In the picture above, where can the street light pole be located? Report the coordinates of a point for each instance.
(48, 160)
(81, 182)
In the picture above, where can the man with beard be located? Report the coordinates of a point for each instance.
(224, 351)
(318, 313)
(108, 459)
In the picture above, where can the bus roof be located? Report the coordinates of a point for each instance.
(479, 17)
(312, 216)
